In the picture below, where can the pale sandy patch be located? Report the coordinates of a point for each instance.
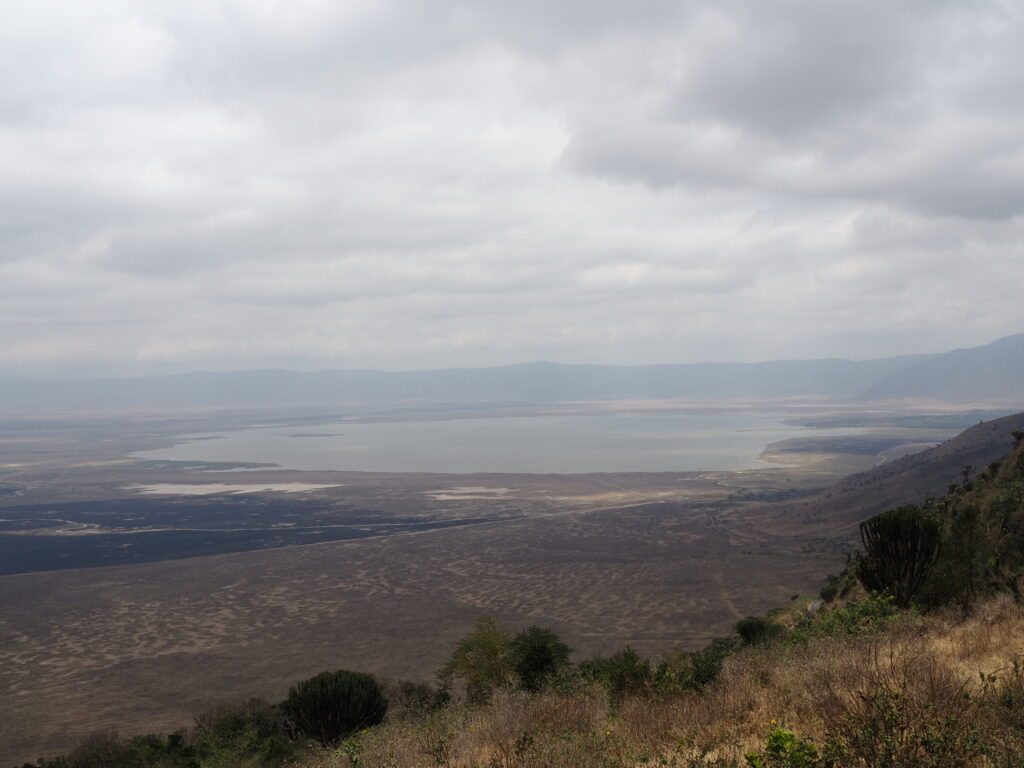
(467, 492)
(205, 489)
(71, 529)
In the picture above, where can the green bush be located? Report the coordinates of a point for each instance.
(410, 698)
(830, 590)
(891, 727)
(969, 559)
(693, 671)
(622, 673)
(538, 655)
(839, 586)
(707, 664)
(109, 750)
(489, 657)
(483, 659)
(757, 629)
(331, 705)
(784, 749)
(1005, 706)
(983, 543)
(253, 731)
(103, 750)
(857, 617)
(173, 752)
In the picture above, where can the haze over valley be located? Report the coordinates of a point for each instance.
(328, 330)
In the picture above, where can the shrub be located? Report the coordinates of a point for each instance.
(888, 730)
(410, 698)
(1007, 698)
(331, 705)
(694, 671)
(784, 749)
(483, 659)
(622, 673)
(757, 629)
(109, 750)
(974, 557)
(839, 586)
(706, 665)
(830, 590)
(857, 617)
(1004, 705)
(253, 730)
(173, 752)
(898, 710)
(538, 655)
(103, 750)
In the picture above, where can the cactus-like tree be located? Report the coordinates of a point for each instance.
(901, 547)
(330, 706)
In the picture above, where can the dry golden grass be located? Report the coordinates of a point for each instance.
(935, 691)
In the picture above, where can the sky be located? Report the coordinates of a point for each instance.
(223, 185)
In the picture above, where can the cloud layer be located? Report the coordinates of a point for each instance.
(314, 184)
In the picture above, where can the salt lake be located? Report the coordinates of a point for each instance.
(635, 441)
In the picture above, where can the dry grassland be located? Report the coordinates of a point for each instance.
(946, 673)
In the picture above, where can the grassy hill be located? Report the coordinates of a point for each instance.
(928, 691)
(908, 480)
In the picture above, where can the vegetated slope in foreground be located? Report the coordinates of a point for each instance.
(994, 372)
(908, 480)
(868, 689)
(945, 682)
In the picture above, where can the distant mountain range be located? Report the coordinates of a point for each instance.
(992, 373)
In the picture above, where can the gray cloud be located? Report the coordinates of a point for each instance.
(794, 68)
(229, 184)
(867, 102)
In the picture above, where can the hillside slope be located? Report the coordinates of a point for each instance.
(994, 372)
(908, 480)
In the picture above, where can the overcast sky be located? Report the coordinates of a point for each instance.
(194, 184)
